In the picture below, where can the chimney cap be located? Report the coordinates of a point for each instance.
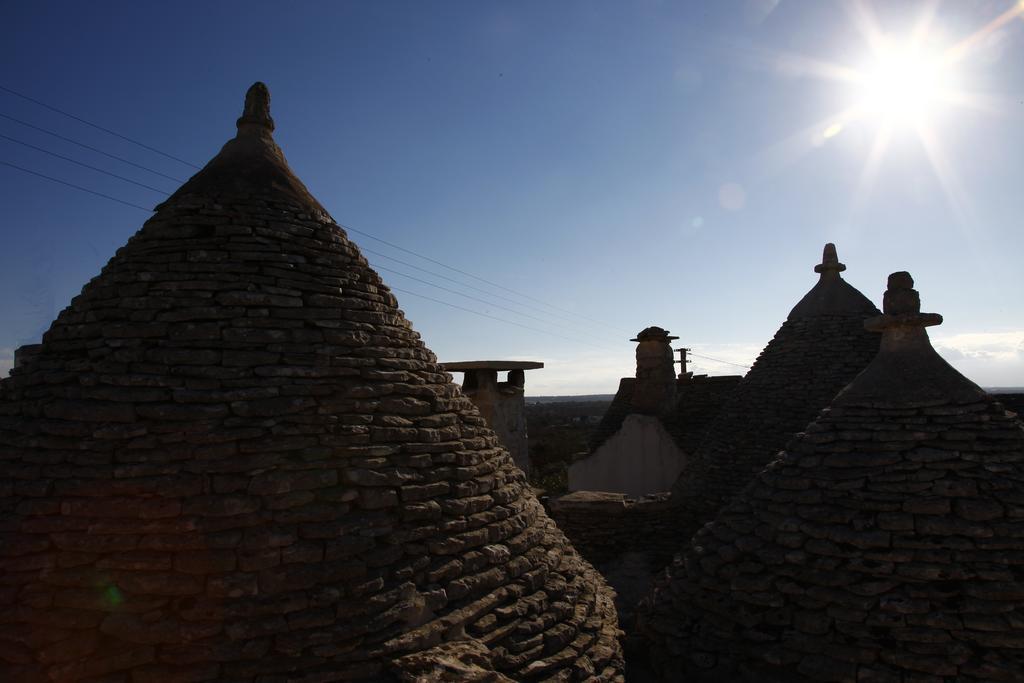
(653, 333)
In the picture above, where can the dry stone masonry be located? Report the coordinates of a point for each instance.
(819, 349)
(655, 386)
(885, 544)
(233, 459)
(502, 404)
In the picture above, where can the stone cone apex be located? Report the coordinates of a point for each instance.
(817, 351)
(832, 295)
(884, 543)
(232, 458)
(251, 164)
(907, 368)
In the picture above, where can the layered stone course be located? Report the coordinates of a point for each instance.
(232, 458)
(885, 544)
(602, 526)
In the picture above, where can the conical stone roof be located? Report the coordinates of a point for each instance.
(885, 544)
(819, 349)
(233, 459)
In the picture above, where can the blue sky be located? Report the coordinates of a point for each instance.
(625, 163)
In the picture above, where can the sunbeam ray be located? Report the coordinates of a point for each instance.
(870, 169)
(783, 153)
(961, 49)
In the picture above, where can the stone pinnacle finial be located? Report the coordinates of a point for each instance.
(900, 296)
(901, 306)
(907, 369)
(257, 108)
(829, 261)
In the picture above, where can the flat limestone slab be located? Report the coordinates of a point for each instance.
(500, 365)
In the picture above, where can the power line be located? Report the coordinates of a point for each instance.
(492, 317)
(96, 126)
(366, 234)
(351, 229)
(89, 147)
(367, 250)
(719, 360)
(77, 187)
(475, 277)
(397, 289)
(467, 296)
(75, 161)
(472, 287)
(449, 279)
(469, 310)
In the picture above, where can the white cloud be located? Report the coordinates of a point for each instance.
(991, 359)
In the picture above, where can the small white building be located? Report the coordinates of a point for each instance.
(654, 422)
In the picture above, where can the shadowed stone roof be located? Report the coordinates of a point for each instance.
(232, 458)
(698, 399)
(884, 544)
(818, 350)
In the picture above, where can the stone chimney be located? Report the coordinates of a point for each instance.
(502, 404)
(655, 386)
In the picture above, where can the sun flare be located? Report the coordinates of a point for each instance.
(904, 84)
(908, 87)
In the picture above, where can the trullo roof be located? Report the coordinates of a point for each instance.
(885, 544)
(819, 349)
(234, 459)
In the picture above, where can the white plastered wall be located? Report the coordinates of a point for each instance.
(638, 459)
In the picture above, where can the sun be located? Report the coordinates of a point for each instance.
(907, 88)
(904, 84)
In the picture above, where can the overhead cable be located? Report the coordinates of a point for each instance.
(719, 360)
(90, 147)
(396, 289)
(96, 126)
(468, 296)
(467, 274)
(77, 187)
(84, 165)
(351, 229)
(492, 317)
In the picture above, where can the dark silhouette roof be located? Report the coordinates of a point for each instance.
(883, 544)
(232, 458)
(698, 400)
(832, 295)
(817, 351)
